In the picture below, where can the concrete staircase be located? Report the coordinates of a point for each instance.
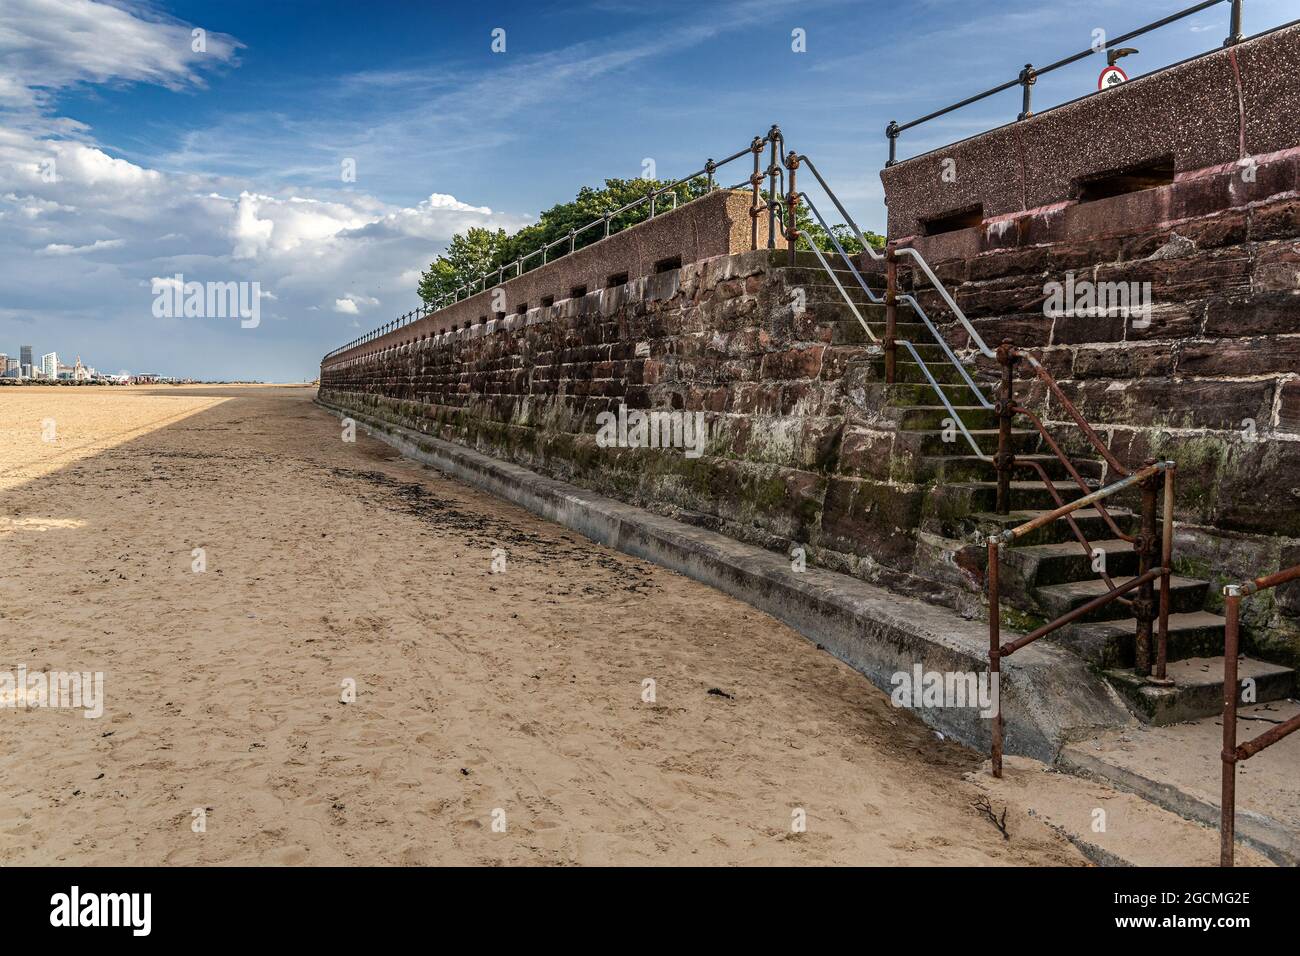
(1049, 572)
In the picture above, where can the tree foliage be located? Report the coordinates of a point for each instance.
(479, 252)
(468, 256)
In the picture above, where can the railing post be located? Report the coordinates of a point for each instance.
(1028, 77)
(1147, 547)
(709, 167)
(792, 206)
(892, 132)
(755, 181)
(1166, 569)
(773, 168)
(995, 656)
(1004, 460)
(891, 315)
(1235, 35)
(1228, 793)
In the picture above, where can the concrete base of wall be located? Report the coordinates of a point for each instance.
(1049, 697)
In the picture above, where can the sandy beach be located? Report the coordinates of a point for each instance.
(511, 698)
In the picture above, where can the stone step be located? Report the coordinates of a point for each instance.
(969, 467)
(1064, 561)
(847, 330)
(818, 295)
(815, 276)
(1197, 690)
(932, 442)
(1110, 644)
(1089, 520)
(959, 499)
(819, 298)
(922, 393)
(931, 352)
(935, 417)
(908, 371)
(1185, 595)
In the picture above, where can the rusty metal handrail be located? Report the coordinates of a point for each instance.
(1003, 460)
(1233, 752)
(1020, 530)
(1093, 438)
(1005, 355)
(1147, 574)
(1069, 518)
(1155, 557)
(1069, 465)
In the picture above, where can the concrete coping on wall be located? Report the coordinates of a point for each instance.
(1049, 696)
(1214, 109)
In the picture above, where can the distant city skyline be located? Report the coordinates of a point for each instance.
(51, 365)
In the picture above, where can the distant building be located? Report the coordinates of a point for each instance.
(25, 358)
(11, 367)
(50, 365)
(26, 371)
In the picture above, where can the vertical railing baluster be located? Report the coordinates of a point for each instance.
(1235, 35)
(792, 207)
(1147, 549)
(1166, 568)
(1027, 80)
(891, 316)
(1228, 793)
(1004, 460)
(773, 135)
(995, 656)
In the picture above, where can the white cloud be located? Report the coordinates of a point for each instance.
(49, 45)
(80, 216)
(64, 249)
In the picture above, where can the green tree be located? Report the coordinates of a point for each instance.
(479, 251)
(468, 257)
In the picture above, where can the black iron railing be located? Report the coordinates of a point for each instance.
(1030, 74)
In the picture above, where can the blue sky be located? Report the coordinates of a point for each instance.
(223, 164)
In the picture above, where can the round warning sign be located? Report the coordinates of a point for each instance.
(1111, 76)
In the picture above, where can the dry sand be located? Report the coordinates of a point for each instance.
(516, 693)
